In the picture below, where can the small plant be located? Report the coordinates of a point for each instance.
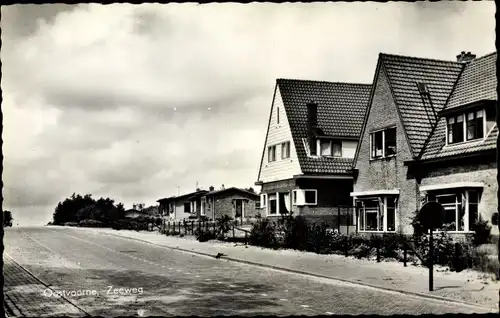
(482, 232)
(223, 226)
(263, 234)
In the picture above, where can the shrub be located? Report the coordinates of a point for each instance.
(482, 232)
(203, 236)
(295, 232)
(263, 233)
(223, 226)
(318, 239)
(71, 224)
(91, 223)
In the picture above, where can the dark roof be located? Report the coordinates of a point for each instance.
(435, 147)
(417, 113)
(197, 195)
(231, 189)
(182, 196)
(341, 110)
(477, 82)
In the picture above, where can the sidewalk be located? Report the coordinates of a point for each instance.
(468, 286)
(27, 296)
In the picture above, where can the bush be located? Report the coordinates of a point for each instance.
(263, 234)
(70, 224)
(318, 239)
(223, 226)
(482, 232)
(204, 236)
(91, 223)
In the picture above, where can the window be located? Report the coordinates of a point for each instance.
(377, 214)
(278, 115)
(257, 205)
(331, 148)
(461, 209)
(263, 200)
(455, 129)
(383, 143)
(391, 214)
(475, 125)
(390, 142)
(272, 205)
(473, 210)
(310, 197)
(285, 150)
(294, 197)
(187, 207)
(271, 153)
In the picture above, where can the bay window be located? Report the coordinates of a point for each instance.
(383, 143)
(272, 210)
(460, 207)
(377, 214)
(304, 197)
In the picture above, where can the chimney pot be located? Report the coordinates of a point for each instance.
(465, 57)
(211, 188)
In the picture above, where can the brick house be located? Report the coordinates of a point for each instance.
(234, 202)
(311, 138)
(182, 207)
(429, 134)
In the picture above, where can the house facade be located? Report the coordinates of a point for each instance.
(234, 202)
(429, 134)
(310, 144)
(182, 207)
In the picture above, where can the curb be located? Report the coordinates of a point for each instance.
(46, 285)
(404, 292)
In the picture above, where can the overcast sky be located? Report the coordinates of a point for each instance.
(133, 101)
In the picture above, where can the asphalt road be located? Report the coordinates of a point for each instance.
(174, 283)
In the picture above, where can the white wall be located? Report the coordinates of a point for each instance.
(277, 133)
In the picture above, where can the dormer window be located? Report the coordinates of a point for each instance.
(465, 127)
(475, 125)
(330, 148)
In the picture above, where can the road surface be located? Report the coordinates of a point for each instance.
(108, 276)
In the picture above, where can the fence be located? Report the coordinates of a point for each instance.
(237, 228)
(341, 219)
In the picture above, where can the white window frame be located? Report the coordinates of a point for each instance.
(372, 136)
(315, 196)
(268, 205)
(457, 212)
(294, 197)
(263, 200)
(464, 116)
(384, 214)
(331, 141)
(269, 153)
(286, 144)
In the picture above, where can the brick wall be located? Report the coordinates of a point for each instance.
(467, 171)
(224, 204)
(388, 173)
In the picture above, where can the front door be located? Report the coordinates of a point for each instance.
(238, 205)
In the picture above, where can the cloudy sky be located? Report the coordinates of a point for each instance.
(133, 101)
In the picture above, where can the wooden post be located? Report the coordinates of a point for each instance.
(338, 218)
(346, 247)
(431, 261)
(378, 251)
(405, 254)
(192, 227)
(174, 227)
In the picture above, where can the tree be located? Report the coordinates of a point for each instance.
(7, 218)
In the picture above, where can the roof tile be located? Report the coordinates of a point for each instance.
(341, 111)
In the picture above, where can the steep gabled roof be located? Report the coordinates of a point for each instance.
(477, 82)
(418, 113)
(341, 110)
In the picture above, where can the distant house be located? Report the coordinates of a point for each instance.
(183, 206)
(152, 211)
(234, 202)
(429, 135)
(312, 134)
(133, 213)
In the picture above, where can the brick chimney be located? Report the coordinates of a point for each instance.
(211, 188)
(222, 187)
(465, 57)
(312, 124)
